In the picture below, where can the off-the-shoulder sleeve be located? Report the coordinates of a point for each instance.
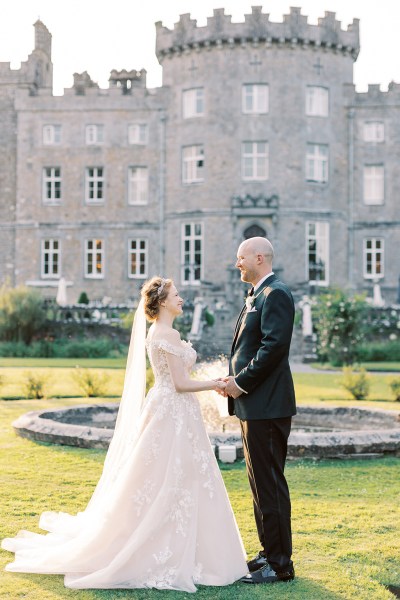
(170, 348)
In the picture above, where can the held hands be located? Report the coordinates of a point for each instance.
(227, 387)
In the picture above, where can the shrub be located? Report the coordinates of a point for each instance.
(83, 298)
(338, 320)
(209, 318)
(395, 387)
(92, 384)
(35, 385)
(379, 351)
(100, 348)
(21, 314)
(356, 382)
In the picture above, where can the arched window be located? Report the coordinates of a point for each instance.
(254, 231)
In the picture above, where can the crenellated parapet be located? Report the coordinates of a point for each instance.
(375, 96)
(259, 30)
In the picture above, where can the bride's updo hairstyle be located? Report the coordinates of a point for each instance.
(154, 291)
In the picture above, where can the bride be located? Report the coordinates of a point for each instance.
(160, 515)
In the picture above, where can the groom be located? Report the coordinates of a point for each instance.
(261, 394)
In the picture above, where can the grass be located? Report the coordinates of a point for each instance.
(346, 520)
(310, 388)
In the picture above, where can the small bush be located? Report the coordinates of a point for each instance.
(83, 298)
(209, 318)
(92, 384)
(35, 385)
(395, 387)
(356, 382)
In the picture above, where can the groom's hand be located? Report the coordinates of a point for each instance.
(221, 388)
(232, 389)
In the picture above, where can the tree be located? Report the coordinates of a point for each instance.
(21, 313)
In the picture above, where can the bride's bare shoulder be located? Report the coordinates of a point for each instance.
(162, 332)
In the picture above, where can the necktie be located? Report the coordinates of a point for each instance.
(251, 292)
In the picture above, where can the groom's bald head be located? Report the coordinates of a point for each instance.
(254, 259)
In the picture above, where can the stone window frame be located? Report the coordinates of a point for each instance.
(51, 185)
(138, 185)
(138, 134)
(51, 134)
(317, 242)
(256, 98)
(317, 101)
(192, 252)
(50, 256)
(94, 256)
(252, 160)
(193, 103)
(374, 184)
(95, 185)
(373, 258)
(94, 134)
(317, 163)
(141, 254)
(374, 131)
(193, 159)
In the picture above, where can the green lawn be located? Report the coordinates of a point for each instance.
(346, 519)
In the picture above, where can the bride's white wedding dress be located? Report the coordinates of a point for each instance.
(166, 522)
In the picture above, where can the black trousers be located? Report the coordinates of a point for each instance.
(265, 449)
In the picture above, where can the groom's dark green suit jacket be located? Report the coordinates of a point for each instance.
(260, 355)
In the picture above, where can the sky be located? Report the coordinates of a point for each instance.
(100, 35)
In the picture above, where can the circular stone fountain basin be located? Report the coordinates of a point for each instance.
(317, 432)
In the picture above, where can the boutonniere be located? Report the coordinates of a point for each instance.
(250, 304)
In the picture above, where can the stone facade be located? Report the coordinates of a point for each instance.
(256, 129)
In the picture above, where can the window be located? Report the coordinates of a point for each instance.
(374, 184)
(192, 253)
(50, 259)
(94, 185)
(317, 163)
(193, 164)
(193, 103)
(317, 259)
(94, 134)
(373, 258)
(94, 259)
(255, 160)
(317, 101)
(137, 133)
(138, 185)
(255, 98)
(374, 131)
(51, 185)
(51, 134)
(137, 258)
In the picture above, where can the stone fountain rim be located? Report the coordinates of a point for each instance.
(35, 426)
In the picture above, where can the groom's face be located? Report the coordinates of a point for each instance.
(247, 263)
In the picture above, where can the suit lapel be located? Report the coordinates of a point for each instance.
(237, 331)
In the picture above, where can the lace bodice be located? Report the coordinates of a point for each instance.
(157, 350)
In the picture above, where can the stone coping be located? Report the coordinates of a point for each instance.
(371, 431)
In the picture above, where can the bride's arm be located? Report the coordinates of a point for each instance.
(183, 383)
(179, 373)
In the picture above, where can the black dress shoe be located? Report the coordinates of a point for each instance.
(257, 562)
(267, 575)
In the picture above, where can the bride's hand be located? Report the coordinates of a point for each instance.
(220, 386)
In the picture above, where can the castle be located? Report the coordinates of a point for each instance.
(256, 130)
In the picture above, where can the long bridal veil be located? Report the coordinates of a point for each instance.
(66, 528)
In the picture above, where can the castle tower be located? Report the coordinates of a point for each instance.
(257, 129)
